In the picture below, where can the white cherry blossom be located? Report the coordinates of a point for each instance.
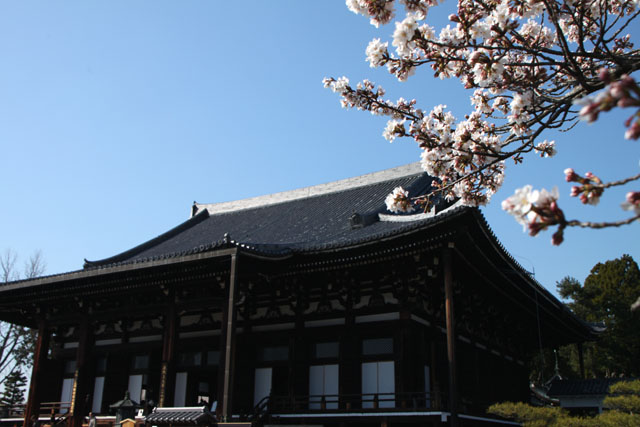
(398, 201)
(531, 66)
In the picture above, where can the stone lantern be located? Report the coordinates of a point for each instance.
(125, 408)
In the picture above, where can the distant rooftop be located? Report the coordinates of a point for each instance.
(581, 387)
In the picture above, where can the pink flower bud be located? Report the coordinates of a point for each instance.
(633, 132)
(633, 197)
(558, 237)
(604, 75)
(627, 81)
(626, 102)
(589, 112)
(575, 190)
(570, 175)
(535, 228)
(617, 90)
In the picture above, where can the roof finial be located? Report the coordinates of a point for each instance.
(557, 367)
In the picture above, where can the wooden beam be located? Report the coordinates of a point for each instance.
(451, 335)
(39, 359)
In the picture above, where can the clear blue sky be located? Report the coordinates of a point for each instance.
(115, 116)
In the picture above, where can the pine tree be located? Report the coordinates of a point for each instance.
(606, 296)
(13, 393)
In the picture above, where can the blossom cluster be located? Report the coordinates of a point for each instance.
(464, 155)
(528, 63)
(537, 210)
(622, 93)
(590, 189)
(398, 201)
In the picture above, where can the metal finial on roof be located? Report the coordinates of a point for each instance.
(557, 367)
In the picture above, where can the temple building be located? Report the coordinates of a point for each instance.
(314, 306)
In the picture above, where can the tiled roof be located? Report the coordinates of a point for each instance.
(311, 219)
(180, 416)
(329, 217)
(593, 386)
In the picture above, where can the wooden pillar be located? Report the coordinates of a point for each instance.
(436, 390)
(451, 334)
(221, 357)
(298, 360)
(406, 372)
(292, 364)
(349, 356)
(225, 398)
(80, 395)
(39, 358)
(167, 370)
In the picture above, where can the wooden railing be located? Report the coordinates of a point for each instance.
(55, 412)
(51, 411)
(12, 411)
(361, 403)
(349, 403)
(366, 402)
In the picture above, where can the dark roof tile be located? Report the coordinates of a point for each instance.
(579, 387)
(285, 224)
(189, 415)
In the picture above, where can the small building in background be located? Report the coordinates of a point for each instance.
(582, 396)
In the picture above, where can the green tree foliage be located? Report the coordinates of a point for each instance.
(532, 416)
(624, 396)
(623, 402)
(13, 389)
(606, 296)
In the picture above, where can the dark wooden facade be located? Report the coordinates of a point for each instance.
(422, 324)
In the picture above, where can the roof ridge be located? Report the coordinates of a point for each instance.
(306, 192)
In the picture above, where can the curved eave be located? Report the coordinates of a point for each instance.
(588, 331)
(113, 269)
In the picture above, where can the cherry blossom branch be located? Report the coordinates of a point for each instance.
(529, 63)
(596, 225)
